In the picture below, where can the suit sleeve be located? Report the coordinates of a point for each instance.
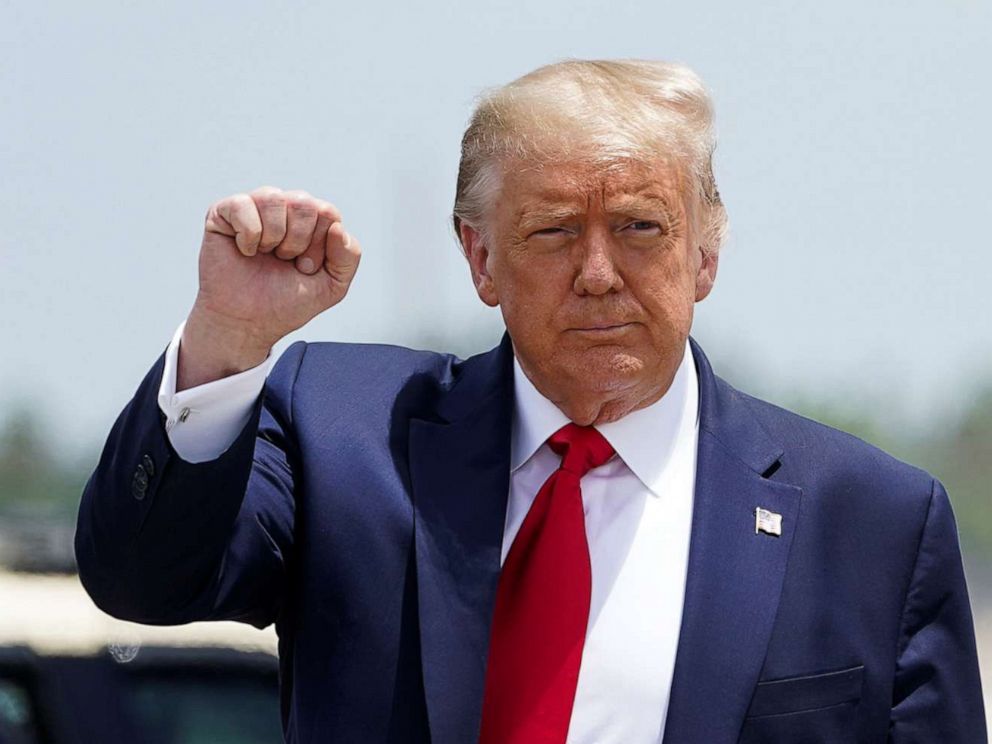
(937, 694)
(163, 541)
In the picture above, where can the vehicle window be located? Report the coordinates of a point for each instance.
(17, 724)
(174, 710)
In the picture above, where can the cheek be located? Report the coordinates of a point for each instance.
(517, 286)
(667, 290)
(532, 280)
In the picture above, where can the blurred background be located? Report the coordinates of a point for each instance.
(853, 161)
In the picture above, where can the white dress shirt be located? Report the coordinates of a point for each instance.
(638, 514)
(203, 421)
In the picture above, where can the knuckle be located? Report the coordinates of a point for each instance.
(326, 209)
(228, 202)
(301, 201)
(269, 201)
(240, 204)
(302, 207)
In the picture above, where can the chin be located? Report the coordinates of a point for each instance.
(608, 369)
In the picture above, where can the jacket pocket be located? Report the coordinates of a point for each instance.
(810, 709)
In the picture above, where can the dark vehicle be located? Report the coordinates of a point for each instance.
(163, 696)
(71, 675)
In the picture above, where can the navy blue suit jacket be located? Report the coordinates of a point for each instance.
(361, 510)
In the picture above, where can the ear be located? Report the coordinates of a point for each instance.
(477, 253)
(706, 273)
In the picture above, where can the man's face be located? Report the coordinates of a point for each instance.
(596, 271)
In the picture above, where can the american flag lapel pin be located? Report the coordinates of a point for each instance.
(768, 522)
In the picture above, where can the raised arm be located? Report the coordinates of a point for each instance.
(163, 540)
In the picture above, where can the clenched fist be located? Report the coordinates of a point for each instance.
(270, 261)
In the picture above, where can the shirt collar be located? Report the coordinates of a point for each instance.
(646, 439)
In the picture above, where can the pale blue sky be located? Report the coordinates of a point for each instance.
(853, 160)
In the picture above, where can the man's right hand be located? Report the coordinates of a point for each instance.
(270, 261)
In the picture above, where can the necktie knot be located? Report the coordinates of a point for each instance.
(582, 448)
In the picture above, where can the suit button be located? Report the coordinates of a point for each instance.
(139, 484)
(149, 465)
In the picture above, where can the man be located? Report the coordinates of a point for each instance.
(582, 535)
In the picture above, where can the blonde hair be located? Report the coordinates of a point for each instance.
(607, 111)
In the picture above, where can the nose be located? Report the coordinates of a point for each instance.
(597, 274)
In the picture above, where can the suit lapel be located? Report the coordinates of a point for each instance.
(734, 576)
(460, 471)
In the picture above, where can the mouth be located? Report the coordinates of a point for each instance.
(603, 329)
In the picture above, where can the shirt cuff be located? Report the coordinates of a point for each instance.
(203, 421)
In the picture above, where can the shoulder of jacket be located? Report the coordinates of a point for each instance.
(360, 370)
(816, 448)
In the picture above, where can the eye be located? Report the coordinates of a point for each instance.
(643, 227)
(550, 232)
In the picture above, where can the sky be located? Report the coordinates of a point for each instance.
(853, 158)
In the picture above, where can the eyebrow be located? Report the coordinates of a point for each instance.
(626, 204)
(530, 214)
(636, 202)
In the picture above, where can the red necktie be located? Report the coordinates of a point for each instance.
(542, 605)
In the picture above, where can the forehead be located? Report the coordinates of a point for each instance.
(583, 185)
